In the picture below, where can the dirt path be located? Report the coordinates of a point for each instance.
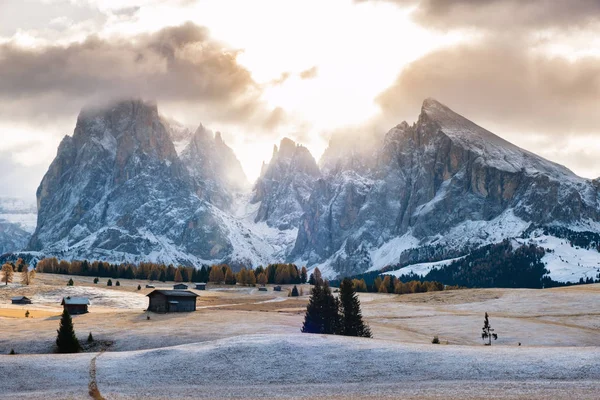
(93, 385)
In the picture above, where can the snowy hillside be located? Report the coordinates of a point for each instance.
(130, 185)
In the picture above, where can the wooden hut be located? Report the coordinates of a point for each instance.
(277, 288)
(75, 305)
(180, 286)
(163, 301)
(200, 286)
(20, 300)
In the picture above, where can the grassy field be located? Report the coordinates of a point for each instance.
(547, 323)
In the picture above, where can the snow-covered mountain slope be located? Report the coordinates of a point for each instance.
(17, 222)
(445, 182)
(285, 185)
(215, 169)
(120, 190)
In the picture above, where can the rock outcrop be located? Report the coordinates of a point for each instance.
(285, 185)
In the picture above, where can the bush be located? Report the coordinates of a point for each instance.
(118, 283)
(70, 283)
(27, 314)
(435, 340)
(12, 352)
(96, 280)
(139, 287)
(109, 283)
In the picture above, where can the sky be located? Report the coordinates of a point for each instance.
(261, 70)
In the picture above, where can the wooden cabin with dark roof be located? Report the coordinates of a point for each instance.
(164, 301)
(75, 305)
(20, 300)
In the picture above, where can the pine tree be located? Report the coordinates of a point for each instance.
(352, 323)
(294, 291)
(488, 332)
(70, 283)
(118, 283)
(7, 273)
(90, 338)
(139, 287)
(313, 319)
(66, 341)
(162, 277)
(321, 312)
(96, 280)
(303, 275)
(109, 283)
(311, 279)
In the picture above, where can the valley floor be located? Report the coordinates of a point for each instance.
(242, 343)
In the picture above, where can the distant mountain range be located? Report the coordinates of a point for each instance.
(130, 185)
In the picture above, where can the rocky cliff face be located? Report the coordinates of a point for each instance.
(215, 169)
(118, 190)
(285, 185)
(443, 181)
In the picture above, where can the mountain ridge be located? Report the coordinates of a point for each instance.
(436, 188)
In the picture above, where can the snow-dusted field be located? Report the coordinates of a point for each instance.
(242, 343)
(311, 366)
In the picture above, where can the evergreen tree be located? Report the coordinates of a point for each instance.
(7, 273)
(96, 280)
(90, 338)
(303, 275)
(295, 291)
(109, 283)
(70, 283)
(118, 283)
(311, 279)
(66, 341)
(162, 277)
(487, 331)
(322, 311)
(352, 323)
(139, 287)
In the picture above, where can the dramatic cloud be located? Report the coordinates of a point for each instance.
(176, 64)
(495, 81)
(503, 14)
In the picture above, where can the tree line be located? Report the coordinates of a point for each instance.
(220, 273)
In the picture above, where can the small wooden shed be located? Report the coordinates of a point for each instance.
(75, 305)
(180, 286)
(277, 288)
(164, 301)
(200, 286)
(20, 300)
(150, 286)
